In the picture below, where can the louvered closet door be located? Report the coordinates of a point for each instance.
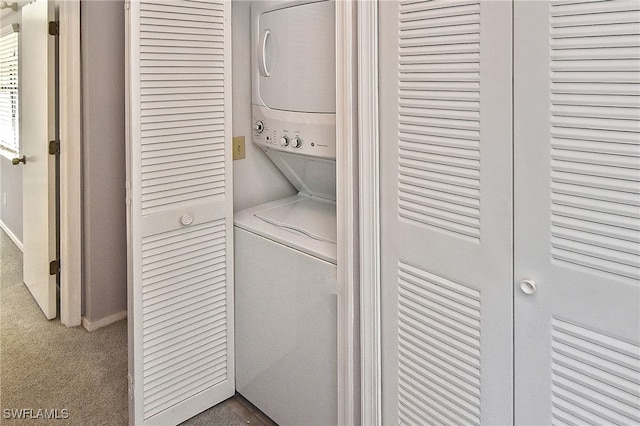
(180, 215)
(577, 234)
(446, 215)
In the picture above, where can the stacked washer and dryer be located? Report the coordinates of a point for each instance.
(285, 251)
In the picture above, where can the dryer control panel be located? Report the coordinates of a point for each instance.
(297, 133)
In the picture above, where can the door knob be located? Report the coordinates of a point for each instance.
(17, 161)
(186, 219)
(528, 286)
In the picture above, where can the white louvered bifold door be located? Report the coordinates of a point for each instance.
(577, 212)
(180, 214)
(446, 215)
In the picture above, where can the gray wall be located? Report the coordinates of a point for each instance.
(11, 185)
(10, 175)
(103, 150)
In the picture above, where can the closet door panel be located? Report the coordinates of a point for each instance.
(446, 215)
(181, 341)
(577, 212)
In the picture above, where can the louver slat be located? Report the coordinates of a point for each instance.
(439, 116)
(182, 99)
(184, 304)
(439, 349)
(595, 128)
(595, 377)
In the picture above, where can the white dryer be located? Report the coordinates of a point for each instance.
(285, 251)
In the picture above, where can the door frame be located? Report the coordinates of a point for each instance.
(348, 340)
(369, 195)
(70, 164)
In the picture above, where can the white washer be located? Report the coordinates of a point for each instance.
(302, 222)
(285, 251)
(286, 309)
(286, 297)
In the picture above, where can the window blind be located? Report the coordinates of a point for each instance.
(9, 107)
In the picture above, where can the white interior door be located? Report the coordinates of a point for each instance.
(37, 91)
(577, 210)
(446, 216)
(181, 342)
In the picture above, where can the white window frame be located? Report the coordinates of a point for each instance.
(9, 92)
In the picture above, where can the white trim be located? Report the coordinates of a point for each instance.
(130, 17)
(11, 235)
(347, 210)
(369, 212)
(103, 322)
(70, 165)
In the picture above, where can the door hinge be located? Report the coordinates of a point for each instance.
(54, 267)
(54, 28)
(127, 197)
(54, 147)
(130, 386)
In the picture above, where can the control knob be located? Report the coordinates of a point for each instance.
(259, 126)
(296, 142)
(284, 141)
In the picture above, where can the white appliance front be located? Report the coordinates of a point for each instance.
(285, 331)
(285, 262)
(291, 47)
(293, 85)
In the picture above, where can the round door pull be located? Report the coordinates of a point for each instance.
(17, 161)
(186, 219)
(528, 286)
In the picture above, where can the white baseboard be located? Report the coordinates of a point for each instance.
(103, 322)
(11, 235)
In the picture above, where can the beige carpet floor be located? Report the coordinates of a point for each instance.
(45, 365)
(82, 375)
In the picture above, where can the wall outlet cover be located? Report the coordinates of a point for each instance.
(238, 148)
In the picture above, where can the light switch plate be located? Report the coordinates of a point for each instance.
(238, 148)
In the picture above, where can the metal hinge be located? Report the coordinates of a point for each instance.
(130, 386)
(127, 196)
(54, 147)
(54, 28)
(54, 267)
